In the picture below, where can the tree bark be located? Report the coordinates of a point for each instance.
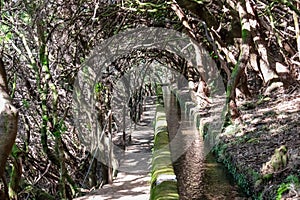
(267, 73)
(242, 62)
(200, 10)
(8, 120)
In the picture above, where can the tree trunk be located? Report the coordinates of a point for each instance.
(8, 120)
(241, 64)
(110, 149)
(267, 73)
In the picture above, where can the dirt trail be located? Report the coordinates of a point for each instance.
(133, 179)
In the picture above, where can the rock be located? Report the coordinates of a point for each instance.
(278, 161)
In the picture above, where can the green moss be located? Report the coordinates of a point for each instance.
(161, 138)
(165, 191)
(197, 120)
(203, 129)
(160, 128)
(159, 118)
(232, 130)
(159, 170)
(241, 179)
(161, 160)
(159, 94)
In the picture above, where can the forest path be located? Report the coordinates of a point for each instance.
(133, 179)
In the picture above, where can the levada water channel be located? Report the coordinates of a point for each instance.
(198, 176)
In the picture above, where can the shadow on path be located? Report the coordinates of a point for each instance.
(133, 179)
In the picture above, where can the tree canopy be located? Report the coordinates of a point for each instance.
(255, 45)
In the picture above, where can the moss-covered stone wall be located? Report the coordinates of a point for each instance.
(163, 178)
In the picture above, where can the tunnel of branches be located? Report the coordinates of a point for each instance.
(139, 73)
(139, 85)
(44, 44)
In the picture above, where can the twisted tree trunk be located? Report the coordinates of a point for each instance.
(8, 121)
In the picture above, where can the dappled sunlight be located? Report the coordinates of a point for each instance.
(268, 127)
(125, 187)
(133, 179)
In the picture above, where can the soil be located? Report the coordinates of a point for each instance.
(268, 122)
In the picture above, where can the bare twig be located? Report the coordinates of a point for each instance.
(297, 31)
(183, 18)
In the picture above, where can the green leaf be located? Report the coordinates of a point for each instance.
(45, 118)
(4, 28)
(25, 17)
(253, 140)
(245, 34)
(15, 151)
(292, 179)
(57, 133)
(25, 103)
(283, 188)
(8, 36)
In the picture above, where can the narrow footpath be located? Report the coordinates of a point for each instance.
(133, 179)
